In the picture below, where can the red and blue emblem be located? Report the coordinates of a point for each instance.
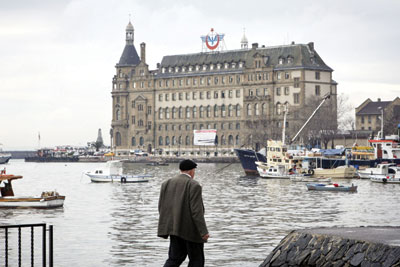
(212, 39)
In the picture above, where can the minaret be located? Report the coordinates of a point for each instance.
(244, 43)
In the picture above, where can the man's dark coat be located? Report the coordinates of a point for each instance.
(181, 209)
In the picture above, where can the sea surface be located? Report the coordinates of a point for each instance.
(115, 224)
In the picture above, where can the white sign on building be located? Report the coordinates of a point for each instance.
(204, 137)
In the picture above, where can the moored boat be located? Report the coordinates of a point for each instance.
(113, 172)
(331, 187)
(8, 200)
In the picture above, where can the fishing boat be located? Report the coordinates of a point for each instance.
(389, 179)
(156, 163)
(383, 169)
(46, 200)
(331, 187)
(389, 173)
(113, 172)
(4, 157)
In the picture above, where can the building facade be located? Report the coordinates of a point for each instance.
(240, 93)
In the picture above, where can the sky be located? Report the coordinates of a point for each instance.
(58, 57)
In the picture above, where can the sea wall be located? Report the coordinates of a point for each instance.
(363, 246)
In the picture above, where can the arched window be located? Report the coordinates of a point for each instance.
(141, 140)
(238, 126)
(216, 139)
(264, 109)
(237, 110)
(173, 112)
(187, 142)
(230, 140)
(215, 111)
(118, 114)
(160, 113)
(223, 111)
(180, 112)
(223, 140)
(237, 140)
(180, 140)
(187, 112)
(173, 140)
(194, 112)
(167, 113)
(278, 108)
(117, 138)
(248, 110)
(230, 111)
(208, 111)
(167, 140)
(133, 143)
(160, 141)
(201, 112)
(256, 112)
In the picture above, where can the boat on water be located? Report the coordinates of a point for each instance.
(52, 155)
(248, 159)
(156, 163)
(383, 169)
(46, 200)
(386, 173)
(4, 157)
(331, 187)
(113, 172)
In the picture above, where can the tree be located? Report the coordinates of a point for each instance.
(345, 113)
(391, 119)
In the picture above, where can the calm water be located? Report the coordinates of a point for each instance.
(116, 225)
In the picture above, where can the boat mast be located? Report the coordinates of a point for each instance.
(312, 115)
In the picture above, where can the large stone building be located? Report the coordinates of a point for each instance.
(235, 92)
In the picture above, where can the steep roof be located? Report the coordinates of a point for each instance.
(302, 56)
(129, 56)
(372, 108)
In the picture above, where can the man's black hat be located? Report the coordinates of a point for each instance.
(187, 164)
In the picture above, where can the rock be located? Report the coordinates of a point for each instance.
(357, 259)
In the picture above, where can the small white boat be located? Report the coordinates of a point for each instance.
(277, 172)
(382, 170)
(113, 172)
(386, 179)
(8, 200)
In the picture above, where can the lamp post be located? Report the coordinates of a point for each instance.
(381, 109)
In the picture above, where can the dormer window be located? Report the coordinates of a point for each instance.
(281, 60)
(197, 67)
(219, 66)
(226, 65)
(240, 64)
(170, 69)
(211, 66)
(204, 67)
(163, 70)
(176, 69)
(233, 65)
(190, 68)
(290, 60)
(183, 69)
(312, 60)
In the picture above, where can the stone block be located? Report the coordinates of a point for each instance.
(357, 259)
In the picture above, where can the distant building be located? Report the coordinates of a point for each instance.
(157, 110)
(368, 114)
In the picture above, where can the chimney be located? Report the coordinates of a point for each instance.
(293, 42)
(158, 65)
(379, 100)
(143, 52)
(254, 45)
(311, 46)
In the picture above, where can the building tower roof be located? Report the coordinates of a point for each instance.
(129, 56)
(244, 42)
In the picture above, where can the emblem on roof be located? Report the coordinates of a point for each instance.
(213, 41)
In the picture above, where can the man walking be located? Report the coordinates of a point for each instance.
(182, 217)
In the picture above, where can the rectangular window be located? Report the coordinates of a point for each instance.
(258, 92)
(133, 120)
(230, 93)
(187, 96)
(238, 93)
(317, 90)
(286, 90)
(287, 76)
(362, 119)
(180, 96)
(278, 91)
(173, 96)
(278, 75)
(187, 81)
(369, 118)
(194, 96)
(317, 75)
(296, 98)
(160, 97)
(194, 81)
(166, 97)
(201, 95)
(265, 91)
(296, 82)
(149, 110)
(215, 94)
(208, 94)
(222, 94)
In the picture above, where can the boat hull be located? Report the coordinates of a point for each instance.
(333, 188)
(384, 179)
(32, 202)
(340, 172)
(248, 160)
(118, 178)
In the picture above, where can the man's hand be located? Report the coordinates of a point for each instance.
(205, 237)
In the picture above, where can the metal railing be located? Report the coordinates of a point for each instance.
(9, 236)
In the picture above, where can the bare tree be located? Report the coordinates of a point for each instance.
(391, 120)
(345, 113)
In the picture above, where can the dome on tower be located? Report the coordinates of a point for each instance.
(129, 27)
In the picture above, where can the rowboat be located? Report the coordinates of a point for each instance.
(113, 173)
(46, 200)
(332, 187)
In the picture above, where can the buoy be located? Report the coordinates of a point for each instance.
(123, 180)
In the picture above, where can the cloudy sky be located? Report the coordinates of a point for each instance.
(57, 57)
